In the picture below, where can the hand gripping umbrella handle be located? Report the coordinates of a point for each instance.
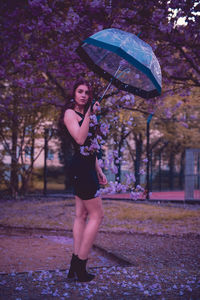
(127, 70)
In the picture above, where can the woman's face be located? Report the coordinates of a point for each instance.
(81, 95)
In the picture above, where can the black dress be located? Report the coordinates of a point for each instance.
(83, 175)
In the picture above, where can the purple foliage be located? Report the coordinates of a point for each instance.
(38, 58)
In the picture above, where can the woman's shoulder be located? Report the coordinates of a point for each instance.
(69, 113)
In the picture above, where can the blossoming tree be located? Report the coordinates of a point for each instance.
(39, 62)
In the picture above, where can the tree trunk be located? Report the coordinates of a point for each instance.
(14, 181)
(27, 180)
(67, 156)
(32, 155)
(118, 164)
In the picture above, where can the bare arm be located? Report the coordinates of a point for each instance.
(79, 133)
(101, 176)
(98, 168)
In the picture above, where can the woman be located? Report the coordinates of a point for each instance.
(86, 175)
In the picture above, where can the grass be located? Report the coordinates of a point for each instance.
(39, 185)
(145, 212)
(119, 216)
(138, 217)
(49, 214)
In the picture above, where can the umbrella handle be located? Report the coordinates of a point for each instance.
(126, 70)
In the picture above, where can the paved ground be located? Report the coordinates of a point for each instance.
(33, 252)
(163, 267)
(34, 265)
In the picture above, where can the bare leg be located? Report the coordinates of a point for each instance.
(95, 210)
(79, 224)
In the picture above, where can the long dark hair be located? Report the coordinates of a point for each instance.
(70, 103)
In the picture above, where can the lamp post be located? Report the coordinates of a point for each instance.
(148, 155)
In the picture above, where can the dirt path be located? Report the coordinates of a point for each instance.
(32, 252)
(163, 267)
(154, 251)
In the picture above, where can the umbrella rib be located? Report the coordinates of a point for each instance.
(102, 58)
(109, 83)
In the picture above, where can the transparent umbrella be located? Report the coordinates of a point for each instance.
(123, 59)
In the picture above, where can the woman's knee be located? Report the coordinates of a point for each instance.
(82, 215)
(81, 211)
(98, 215)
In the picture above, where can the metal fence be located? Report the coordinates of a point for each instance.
(192, 174)
(54, 177)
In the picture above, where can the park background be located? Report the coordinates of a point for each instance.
(143, 248)
(39, 66)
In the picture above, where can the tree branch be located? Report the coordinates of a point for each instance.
(192, 63)
(60, 88)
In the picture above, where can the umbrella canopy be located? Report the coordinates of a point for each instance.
(124, 59)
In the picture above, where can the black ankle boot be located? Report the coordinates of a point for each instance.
(71, 273)
(80, 270)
